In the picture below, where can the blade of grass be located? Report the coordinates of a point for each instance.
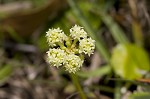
(114, 28)
(95, 73)
(14, 35)
(136, 27)
(5, 72)
(140, 95)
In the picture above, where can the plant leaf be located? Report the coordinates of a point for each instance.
(140, 95)
(95, 73)
(5, 72)
(130, 61)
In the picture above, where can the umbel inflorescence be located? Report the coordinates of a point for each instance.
(68, 50)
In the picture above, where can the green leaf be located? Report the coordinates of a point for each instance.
(116, 31)
(42, 44)
(140, 95)
(95, 73)
(130, 61)
(86, 8)
(5, 72)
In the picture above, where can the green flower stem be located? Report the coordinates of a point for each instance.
(117, 94)
(61, 45)
(99, 43)
(74, 78)
(74, 43)
(68, 43)
(82, 56)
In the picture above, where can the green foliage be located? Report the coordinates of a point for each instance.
(14, 35)
(5, 72)
(42, 43)
(116, 31)
(86, 8)
(38, 3)
(130, 61)
(140, 95)
(95, 73)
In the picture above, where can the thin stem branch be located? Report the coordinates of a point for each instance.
(74, 78)
(117, 94)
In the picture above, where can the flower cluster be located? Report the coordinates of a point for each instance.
(67, 50)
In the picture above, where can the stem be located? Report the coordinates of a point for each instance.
(74, 43)
(101, 48)
(61, 45)
(68, 42)
(74, 78)
(117, 90)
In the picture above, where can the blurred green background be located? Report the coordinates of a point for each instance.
(119, 68)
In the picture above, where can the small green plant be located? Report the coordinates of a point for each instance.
(130, 61)
(68, 50)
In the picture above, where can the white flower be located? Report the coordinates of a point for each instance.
(77, 32)
(87, 46)
(69, 53)
(73, 63)
(54, 36)
(56, 57)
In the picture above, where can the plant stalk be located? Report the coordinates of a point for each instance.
(74, 78)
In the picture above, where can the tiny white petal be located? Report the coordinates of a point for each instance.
(77, 32)
(73, 63)
(56, 57)
(87, 46)
(54, 36)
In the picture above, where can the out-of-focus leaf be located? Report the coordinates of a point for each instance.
(70, 88)
(95, 73)
(86, 8)
(42, 44)
(38, 3)
(114, 28)
(14, 35)
(26, 22)
(130, 61)
(140, 95)
(5, 72)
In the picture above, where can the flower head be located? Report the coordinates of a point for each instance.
(54, 36)
(56, 57)
(73, 63)
(67, 51)
(77, 32)
(87, 46)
